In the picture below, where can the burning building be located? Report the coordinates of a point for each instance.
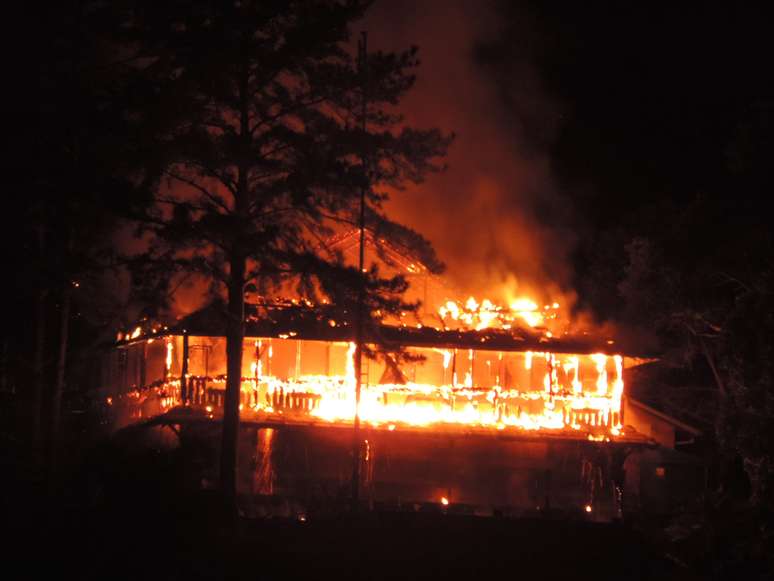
(484, 411)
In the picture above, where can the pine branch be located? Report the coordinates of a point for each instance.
(202, 190)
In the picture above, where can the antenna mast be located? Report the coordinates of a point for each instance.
(362, 62)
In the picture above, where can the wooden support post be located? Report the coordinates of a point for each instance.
(144, 365)
(184, 371)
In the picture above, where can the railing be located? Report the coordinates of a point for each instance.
(208, 394)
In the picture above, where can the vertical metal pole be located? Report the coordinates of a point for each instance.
(362, 58)
(184, 371)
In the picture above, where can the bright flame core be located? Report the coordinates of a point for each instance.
(526, 391)
(486, 314)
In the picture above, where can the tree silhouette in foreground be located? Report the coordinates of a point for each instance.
(269, 153)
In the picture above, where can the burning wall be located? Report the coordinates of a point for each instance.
(490, 412)
(445, 387)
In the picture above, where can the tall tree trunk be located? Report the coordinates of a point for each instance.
(4, 366)
(235, 332)
(61, 364)
(38, 360)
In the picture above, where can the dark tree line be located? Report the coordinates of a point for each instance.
(693, 278)
(78, 147)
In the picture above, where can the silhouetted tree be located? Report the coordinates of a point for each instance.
(267, 155)
(697, 277)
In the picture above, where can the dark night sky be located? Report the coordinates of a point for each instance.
(653, 91)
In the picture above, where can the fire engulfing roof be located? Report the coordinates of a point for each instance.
(326, 323)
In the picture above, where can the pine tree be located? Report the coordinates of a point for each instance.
(270, 151)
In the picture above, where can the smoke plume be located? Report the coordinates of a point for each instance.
(495, 216)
